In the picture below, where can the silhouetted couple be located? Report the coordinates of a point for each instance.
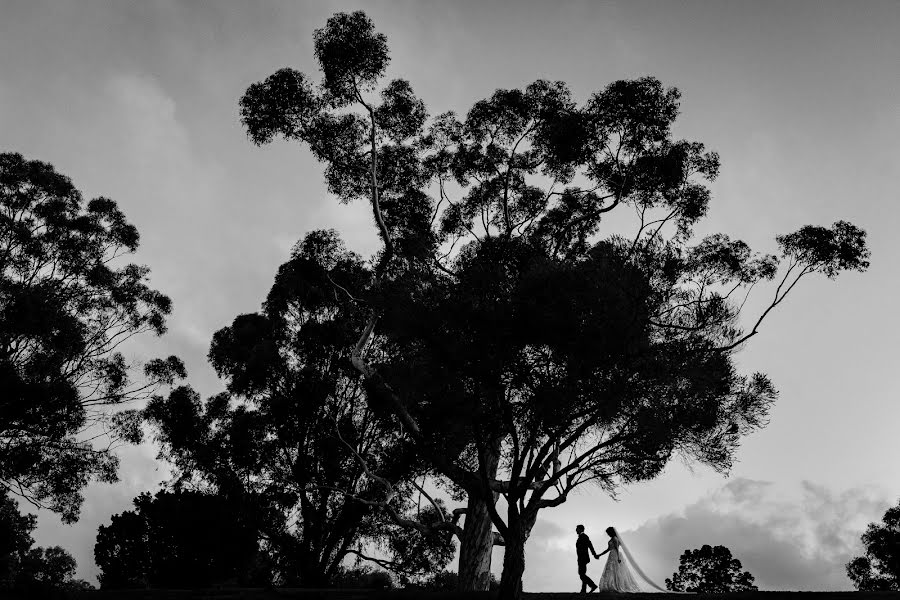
(616, 575)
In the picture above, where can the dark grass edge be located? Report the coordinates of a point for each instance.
(355, 594)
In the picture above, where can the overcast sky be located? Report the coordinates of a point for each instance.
(137, 101)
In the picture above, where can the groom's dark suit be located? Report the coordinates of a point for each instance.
(584, 548)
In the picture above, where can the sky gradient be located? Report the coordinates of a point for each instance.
(137, 101)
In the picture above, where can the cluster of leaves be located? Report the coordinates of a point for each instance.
(879, 568)
(180, 540)
(710, 570)
(29, 569)
(293, 434)
(339, 124)
(66, 305)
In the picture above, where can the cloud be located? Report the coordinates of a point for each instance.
(143, 158)
(789, 537)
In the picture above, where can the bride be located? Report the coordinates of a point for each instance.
(617, 576)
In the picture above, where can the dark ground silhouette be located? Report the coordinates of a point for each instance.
(261, 594)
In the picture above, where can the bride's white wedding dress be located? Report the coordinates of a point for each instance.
(617, 576)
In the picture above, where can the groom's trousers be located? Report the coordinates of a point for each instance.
(586, 582)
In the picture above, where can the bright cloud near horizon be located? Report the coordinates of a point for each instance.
(137, 101)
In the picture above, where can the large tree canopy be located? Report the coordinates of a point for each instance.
(67, 304)
(294, 438)
(521, 347)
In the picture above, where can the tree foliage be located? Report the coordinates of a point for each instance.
(294, 437)
(66, 306)
(879, 568)
(28, 569)
(710, 570)
(520, 346)
(180, 539)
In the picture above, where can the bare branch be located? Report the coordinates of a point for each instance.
(437, 507)
(775, 302)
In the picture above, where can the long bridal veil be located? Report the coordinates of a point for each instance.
(636, 568)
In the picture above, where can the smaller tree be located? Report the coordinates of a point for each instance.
(879, 569)
(178, 539)
(31, 569)
(710, 570)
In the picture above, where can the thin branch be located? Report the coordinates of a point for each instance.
(778, 299)
(342, 288)
(437, 507)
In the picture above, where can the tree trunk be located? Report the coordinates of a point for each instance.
(477, 541)
(475, 547)
(309, 570)
(513, 566)
(519, 528)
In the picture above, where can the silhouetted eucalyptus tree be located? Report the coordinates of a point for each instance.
(710, 570)
(293, 436)
(521, 349)
(879, 568)
(66, 305)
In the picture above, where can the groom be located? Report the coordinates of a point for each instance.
(582, 547)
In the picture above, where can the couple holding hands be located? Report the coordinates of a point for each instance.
(616, 576)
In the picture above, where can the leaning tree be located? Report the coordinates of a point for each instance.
(67, 304)
(520, 347)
